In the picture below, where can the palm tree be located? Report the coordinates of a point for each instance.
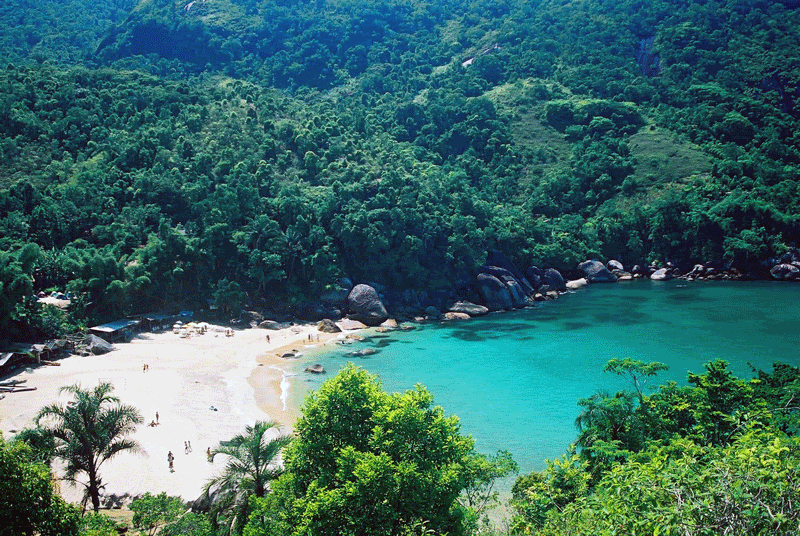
(89, 430)
(251, 465)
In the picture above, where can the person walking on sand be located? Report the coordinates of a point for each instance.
(156, 417)
(190, 445)
(171, 460)
(267, 338)
(185, 447)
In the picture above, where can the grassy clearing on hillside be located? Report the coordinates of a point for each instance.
(663, 159)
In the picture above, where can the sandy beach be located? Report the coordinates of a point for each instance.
(205, 389)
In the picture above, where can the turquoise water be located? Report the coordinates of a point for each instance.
(514, 379)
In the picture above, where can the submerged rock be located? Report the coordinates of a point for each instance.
(315, 369)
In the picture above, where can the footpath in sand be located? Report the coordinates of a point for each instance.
(205, 389)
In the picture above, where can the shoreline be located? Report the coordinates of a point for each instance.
(206, 389)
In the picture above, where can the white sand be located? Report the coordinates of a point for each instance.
(241, 376)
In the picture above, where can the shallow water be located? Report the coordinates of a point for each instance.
(514, 379)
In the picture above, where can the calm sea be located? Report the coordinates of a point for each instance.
(514, 379)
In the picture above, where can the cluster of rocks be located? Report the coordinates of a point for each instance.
(497, 286)
(785, 267)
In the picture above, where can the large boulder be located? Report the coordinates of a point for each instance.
(97, 346)
(272, 325)
(534, 275)
(575, 284)
(365, 305)
(515, 290)
(469, 308)
(497, 258)
(785, 272)
(518, 297)
(662, 274)
(615, 265)
(553, 279)
(327, 325)
(596, 272)
(494, 292)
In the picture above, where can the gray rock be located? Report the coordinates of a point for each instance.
(596, 272)
(365, 306)
(364, 352)
(553, 278)
(577, 283)
(518, 297)
(326, 325)
(469, 308)
(315, 369)
(97, 346)
(785, 272)
(534, 276)
(497, 258)
(433, 313)
(662, 274)
(494, 292)
(450, 315)
(615, 265)
(272, 325)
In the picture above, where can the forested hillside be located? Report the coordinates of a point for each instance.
(160, 153)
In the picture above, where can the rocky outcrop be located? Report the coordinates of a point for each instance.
(315, 369)
(327, 325)
(785, 272)
(534, 275)
(497, 258)
(468, 308)
(596, 272)
(662, 274)
(450, 315)
(364, 305)
(553, 279)
(515, 289)
(495, 294)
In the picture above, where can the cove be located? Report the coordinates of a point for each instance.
(514, 378)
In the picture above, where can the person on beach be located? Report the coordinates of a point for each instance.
(185, 447)
(171, 460)
(267, 338)
(190, 445)
(156, 417)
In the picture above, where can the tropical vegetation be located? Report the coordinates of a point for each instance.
(156, 154)
(89, 430)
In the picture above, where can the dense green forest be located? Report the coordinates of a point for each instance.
(158, 154)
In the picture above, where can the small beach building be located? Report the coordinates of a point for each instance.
(156, 321)
(119, 330)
